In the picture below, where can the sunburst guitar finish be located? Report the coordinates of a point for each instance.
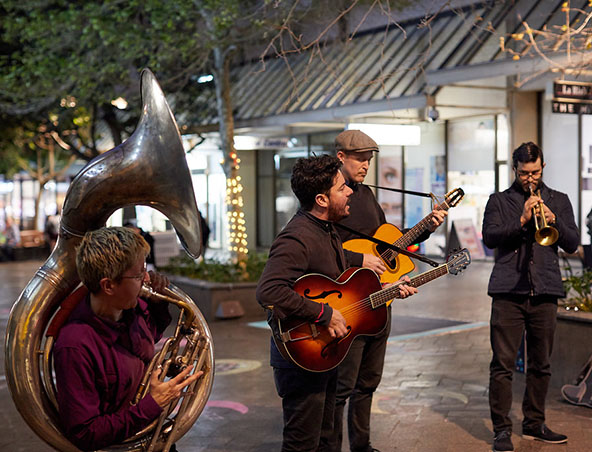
(359, 296)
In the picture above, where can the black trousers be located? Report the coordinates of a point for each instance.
(358, 377)
(308, 403)
(510, 317)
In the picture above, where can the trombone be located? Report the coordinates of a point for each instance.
(545, 235)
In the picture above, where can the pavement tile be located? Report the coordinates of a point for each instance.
(433, 396)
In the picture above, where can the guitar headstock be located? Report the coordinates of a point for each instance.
(458, 261)
(453, 197)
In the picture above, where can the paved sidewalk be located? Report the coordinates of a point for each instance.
(433, 396)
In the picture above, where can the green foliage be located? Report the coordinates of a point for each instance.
(248, 270)
(92, 52)
(579, 291)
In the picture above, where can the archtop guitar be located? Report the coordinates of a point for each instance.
(362, 301)
(397, 264)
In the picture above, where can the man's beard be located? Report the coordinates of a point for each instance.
(337, 214)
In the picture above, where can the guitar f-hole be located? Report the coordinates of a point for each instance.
(335, 342)
(324, 294)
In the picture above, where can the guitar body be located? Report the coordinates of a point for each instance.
(396, 266)
(359, 296)
(311, 346)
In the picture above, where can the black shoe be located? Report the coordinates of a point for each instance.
(543, 433)
(502, 442)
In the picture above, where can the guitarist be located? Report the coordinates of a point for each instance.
(361, 371)
(308, 244)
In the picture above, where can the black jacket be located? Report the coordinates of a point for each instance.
(365, 216)
(305, 245)
(522, 266)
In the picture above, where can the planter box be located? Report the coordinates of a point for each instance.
(572, 346)
(208, 295)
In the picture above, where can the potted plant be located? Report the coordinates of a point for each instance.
(573, 334)
(220, 289)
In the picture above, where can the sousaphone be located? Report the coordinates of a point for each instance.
(148, 169)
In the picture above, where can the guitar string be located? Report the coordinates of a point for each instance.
(414, 232)
(383, 298)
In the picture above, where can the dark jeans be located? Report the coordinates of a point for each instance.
(6, 253)
(358, 377)
(308, 403)
(510, 317)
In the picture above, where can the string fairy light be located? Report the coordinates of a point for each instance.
(234, 200)
(571, 41)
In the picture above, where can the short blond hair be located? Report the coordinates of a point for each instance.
(108, 253)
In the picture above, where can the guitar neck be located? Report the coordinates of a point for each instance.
(385, 295)
(410, 237)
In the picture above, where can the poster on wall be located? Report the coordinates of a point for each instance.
(464, 235)
(586, 194)
(413, 204)
(390, 167)
(438, 175)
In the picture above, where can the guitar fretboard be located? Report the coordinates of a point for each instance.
(412, 234)
(383, 296)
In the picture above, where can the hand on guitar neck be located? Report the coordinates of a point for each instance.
(404, 289)
(337, 325)
(438, 216)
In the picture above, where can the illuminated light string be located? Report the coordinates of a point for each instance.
(574, 37)
(236, 217)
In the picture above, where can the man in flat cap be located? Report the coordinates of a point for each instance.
(360, 373)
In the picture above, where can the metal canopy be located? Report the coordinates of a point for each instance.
(392, 68)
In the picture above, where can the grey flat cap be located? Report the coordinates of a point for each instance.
(354, 141)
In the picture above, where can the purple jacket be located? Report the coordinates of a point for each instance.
(98, 368)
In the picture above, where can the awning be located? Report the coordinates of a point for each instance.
(392, 68)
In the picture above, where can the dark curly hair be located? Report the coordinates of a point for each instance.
(312, 176)
(527, 153)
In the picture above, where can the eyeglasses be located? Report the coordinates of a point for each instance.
(139, 277)
(526, 174)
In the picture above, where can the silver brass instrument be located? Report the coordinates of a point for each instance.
(149, 168)
(545, 235)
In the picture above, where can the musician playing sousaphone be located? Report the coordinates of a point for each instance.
(108, 340)
(360, 373)
(308, 244)
(525, 284)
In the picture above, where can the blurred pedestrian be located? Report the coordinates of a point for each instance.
(11, 238)
(52, 224)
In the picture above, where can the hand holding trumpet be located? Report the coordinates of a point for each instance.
(531, 205)
(545, 235)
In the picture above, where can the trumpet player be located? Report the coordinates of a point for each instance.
(105, 345)
(524, 285)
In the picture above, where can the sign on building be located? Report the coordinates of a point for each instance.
(572, 97)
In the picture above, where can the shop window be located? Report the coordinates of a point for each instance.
(471, 165)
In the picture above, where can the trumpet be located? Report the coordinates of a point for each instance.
(545, 235)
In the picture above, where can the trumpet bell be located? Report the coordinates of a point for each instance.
(546, 236)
